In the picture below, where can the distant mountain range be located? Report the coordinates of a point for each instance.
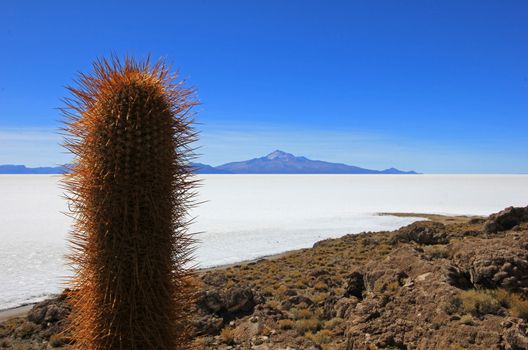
(22, 169)
(277, 162)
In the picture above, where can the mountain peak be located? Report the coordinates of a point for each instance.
(279, 155)
(277, 162)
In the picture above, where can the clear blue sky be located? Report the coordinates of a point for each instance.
(436, 86)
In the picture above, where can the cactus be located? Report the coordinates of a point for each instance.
(129, 127)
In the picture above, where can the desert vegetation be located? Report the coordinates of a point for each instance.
(447, 283)
(129, 127)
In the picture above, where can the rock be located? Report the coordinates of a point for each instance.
(55, 313)
(208, 325)
(286, 305)
(290, 292)
(25, 330)
(37, 313)
(422, 232)
(229, 303)
(355, 285)
(515, 334)
(457, 278)
(269, 311)
(328, 306)
(240, 300)
(500, 263)
(210, 301)
(318, 272)
(476, 221)
(50, 311)
(297, 299)
(345, 306)
(506, 219)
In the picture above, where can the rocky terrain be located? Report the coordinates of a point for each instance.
(447, 283)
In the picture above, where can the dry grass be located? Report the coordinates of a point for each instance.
(479, 302)
(305, 325)
(438, 251)
(324, 336)
(491, 301)
(515, 303)
(227, 336)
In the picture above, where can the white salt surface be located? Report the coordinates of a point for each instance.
(245, 216)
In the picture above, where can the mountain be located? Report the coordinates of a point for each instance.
(22, 169)
(279, 162)
(201, 168)
(396, 171)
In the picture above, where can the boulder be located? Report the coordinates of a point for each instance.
(500, 263)
(211, 301)
(229, 303)
(50, 311)
(208, 325)
(422, 232)
(506, 219)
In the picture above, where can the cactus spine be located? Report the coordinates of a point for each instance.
(129, 127)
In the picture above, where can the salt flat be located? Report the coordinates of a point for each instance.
(245, 216)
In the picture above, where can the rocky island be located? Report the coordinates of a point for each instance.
(444, 283)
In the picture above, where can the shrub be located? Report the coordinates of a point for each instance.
(302, 326)
(517, 305)
(437, 251)
(286, 324)
(333, 323)
(320, 286)
(227, 336)
(478, 303)
(393, 286)
(467, 320)
(453, 306)
(301, 313)
(324, 336)
(319, 297)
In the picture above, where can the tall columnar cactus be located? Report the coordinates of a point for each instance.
(129, 128)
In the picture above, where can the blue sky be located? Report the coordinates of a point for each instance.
(434, 86)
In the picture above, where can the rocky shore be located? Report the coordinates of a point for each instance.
(447, 283)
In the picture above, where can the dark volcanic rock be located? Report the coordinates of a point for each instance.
(501, 262)
(45, 323)
(506, 219)
(50, 311)
(422, 232)
(208, 325)
(210, 301)
(216, 307)
(241, 301)
(355, 285)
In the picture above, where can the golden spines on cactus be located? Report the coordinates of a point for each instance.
(130, 188)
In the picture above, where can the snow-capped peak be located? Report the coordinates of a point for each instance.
(279, 155)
